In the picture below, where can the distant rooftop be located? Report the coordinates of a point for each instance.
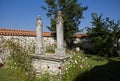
(14, 32)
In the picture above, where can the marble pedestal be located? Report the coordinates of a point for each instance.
(52, 64)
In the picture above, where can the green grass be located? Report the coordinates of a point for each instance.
(107, 72)
(102, 69)
(6, 75)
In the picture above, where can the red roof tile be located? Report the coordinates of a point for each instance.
(12, 32)
(80, 35)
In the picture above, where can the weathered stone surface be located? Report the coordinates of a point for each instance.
(39, 38)
(3, 57)
(51, 57)
(52, 64)
(60, 34)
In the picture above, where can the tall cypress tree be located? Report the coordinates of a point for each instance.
(72, 12)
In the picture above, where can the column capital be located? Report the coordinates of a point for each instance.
(39, 22)
(59, 17)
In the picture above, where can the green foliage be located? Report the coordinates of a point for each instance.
(104, 35)
(76, 66)
(5, 75)
(19, 62)
(50, 49)
(72, 12)
(49, 77)
(45, 77)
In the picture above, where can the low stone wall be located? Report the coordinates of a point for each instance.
(27, 42)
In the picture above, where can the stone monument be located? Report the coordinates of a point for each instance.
(60, 35)
(39, 38)
(52, 63)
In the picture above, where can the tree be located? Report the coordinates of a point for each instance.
(104, 34)
(72, 12)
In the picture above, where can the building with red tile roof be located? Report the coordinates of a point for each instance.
(27, 38)
(13, 32)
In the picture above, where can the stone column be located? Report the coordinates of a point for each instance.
(39, 38)
(60, 34)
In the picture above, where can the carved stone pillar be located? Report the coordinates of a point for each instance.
(60, 34)
(39, 37)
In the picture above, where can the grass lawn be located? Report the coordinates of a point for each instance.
(106, 72)
(101, 69)
(6, 75)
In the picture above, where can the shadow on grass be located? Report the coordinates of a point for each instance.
(107, 72)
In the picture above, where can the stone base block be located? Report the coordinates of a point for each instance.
(52, 64)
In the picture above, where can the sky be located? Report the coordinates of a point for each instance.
(21, 14)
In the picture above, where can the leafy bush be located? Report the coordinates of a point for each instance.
(103, 34)
(76, 66)
(50, 49)
(19, 62)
